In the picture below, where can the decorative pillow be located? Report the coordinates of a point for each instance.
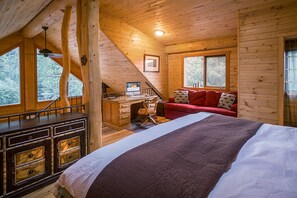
(197, 97)
(181, 96)
(227, 100)
(212, 98)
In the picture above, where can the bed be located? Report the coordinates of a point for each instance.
(265, 166)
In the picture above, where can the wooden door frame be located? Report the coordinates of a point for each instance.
(281, 41)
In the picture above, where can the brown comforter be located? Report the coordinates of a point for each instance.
(187, 162)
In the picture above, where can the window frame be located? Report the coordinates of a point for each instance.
(15, 108)
(226, 54)
(40, 104)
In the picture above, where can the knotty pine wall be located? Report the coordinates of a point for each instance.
(259, 71)
(134, 44)
(177, 52)
(115, 68)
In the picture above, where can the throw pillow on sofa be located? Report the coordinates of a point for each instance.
(181, 96)
(197, 97)
(226, 100)
(212, 98)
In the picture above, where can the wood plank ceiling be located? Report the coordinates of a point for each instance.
(182, 20)
(15, 14)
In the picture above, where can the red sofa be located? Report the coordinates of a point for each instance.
(199, 101)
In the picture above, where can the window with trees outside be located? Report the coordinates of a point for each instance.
(205, 71)
(10, 78)
(48, 77)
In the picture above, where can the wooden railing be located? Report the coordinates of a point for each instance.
(146, 91)
(41, 113)
(54, 102)
(51, 109)
(151, 90)
(74, 101)
(155, 91)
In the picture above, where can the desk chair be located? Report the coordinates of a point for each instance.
(149, 111)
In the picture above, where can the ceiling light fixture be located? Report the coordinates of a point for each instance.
(159, 32)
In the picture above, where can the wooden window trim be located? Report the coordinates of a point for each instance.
(281, 41)
(211, 54)
(16, 108)
(42, 104)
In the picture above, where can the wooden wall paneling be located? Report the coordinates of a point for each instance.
(134, 44)
(174, 73)
(118, 70)
(227, 42)
(259, 59)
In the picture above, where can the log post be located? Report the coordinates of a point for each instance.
(66, 58)
(88, 45)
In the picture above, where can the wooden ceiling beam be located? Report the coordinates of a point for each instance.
(47, 17)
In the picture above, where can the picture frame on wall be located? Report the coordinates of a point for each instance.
(151, 63)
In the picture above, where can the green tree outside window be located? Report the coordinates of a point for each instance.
(10, 78)
(48, 77)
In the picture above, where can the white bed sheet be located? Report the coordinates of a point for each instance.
(266, 166)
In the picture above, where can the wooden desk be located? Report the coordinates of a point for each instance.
(117, 111)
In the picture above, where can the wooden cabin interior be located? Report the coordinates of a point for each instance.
(114, 36)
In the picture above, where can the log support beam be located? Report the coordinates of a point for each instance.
(88, 45)
(63, 86)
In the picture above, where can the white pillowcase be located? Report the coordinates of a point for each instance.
(226, 100)
(181, 96)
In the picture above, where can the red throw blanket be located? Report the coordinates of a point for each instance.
(187, 162)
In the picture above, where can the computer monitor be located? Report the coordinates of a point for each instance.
(132, 88)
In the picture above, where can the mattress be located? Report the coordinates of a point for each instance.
(264, 167)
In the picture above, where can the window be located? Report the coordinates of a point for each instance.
(205, 71)
(48, 77)
(10, 78)
(290, 83)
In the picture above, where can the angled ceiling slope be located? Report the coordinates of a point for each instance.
(15, 14)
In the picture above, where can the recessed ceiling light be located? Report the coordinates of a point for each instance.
(159, 32)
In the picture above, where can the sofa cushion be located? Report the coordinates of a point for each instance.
(181, 96)
(214, 110)
(188, 108)
(234, 107)
(212, 98)
(197, 97)
(226, 100)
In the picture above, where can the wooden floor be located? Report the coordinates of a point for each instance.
(109, 136)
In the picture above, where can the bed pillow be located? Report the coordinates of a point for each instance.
(181, 96)
(226, 100)
(212, 98)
